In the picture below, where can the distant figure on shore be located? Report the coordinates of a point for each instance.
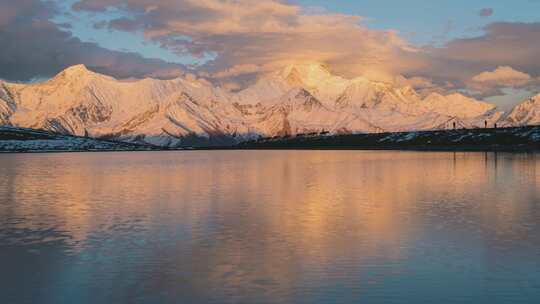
(495, 126)
(485, 123)
(454, 124)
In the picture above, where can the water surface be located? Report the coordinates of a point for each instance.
(270, 227)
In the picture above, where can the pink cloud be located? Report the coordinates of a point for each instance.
(503, 76)
(268, 34)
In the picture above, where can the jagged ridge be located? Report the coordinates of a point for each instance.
(300, 98)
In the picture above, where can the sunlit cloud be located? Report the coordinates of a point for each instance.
(515, 45)
(491, 83)
(503, 76)
(265, 34)
(236, 41)
(254, 37)
(238, 70)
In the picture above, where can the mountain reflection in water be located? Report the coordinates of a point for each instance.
(270, 227)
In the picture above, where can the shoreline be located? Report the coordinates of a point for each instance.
(512, 140)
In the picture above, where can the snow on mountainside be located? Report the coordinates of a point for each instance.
(316, 78)
(179, 117)
(525, 113)
(300, 112)
(300, 98)
(457, 105)
(361, 93)
(81, 102)
(7, 105)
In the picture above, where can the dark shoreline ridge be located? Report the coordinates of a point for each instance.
(514, 139)
(13, 139)
(519, 139)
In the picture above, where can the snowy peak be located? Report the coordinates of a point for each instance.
(363, 93)
(525, 113)
(457, 105)
(79, 75)
(75, 71)
(306, 74)
(313, 77)
(410, 92)
(297, 112)
(360, 93)
(300, 98)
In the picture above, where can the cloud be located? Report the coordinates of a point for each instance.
(515, 45)
(512, 44)
(237, 70)
(503, 76)
(268, 34)
(245, 38)
(231, 86)
(415, 82)
(424, 86)
(486, 12)
(420, 84)
(34, 47)
(493, 83)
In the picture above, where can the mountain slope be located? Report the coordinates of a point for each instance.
(457, 105)
(298, 112)
(181, 116)
(525, 113)
(81, 102)
(7, 105)
(301, 98)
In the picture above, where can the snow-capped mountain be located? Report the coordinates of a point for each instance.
(525, 113)
(315, 78)
(457, 105)
(80, 102)
(300, 98)
(298, 112)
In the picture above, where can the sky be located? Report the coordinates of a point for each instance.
(486, 49)
(434, 22)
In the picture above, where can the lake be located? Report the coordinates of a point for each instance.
(270, 227)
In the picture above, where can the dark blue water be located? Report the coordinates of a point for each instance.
(270, 227)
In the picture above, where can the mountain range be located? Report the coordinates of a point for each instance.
(301, 98)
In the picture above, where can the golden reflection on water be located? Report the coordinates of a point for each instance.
(250, 225)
